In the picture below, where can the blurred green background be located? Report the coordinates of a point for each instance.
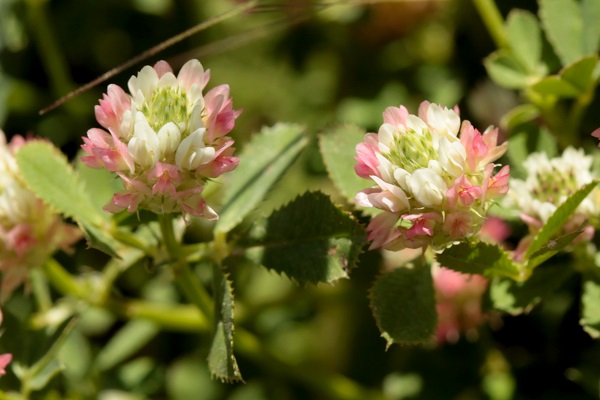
(318, 64)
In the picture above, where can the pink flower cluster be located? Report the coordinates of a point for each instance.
(5, 358)
(164, 139)
(433, 187)
(30, 230)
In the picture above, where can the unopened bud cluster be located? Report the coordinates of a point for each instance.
(164, 139)
(30, 230)
(434, 177)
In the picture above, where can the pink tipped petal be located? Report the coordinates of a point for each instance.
(5, 359)
(395, 115)
(162, 67)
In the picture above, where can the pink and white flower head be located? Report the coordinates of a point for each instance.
(549, 182)
(30, 230)
(164, 139)
(434, 177)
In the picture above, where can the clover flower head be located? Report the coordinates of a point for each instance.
(434, 177)
(164, 139)
(30, 230)
(551, 181)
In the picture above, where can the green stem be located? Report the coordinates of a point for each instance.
(62, 280)
(179, 318)
(493, 21)
(132, 241)
(184, 277)
(39, 287)
(46, 43)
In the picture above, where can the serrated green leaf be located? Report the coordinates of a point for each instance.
(519, 297)
(580, 74)
(310, 240)
(557, 220)
(221, 361)
(99, 239)
(590, 304)
(262, 162)
(403, 305)
(506, 71)
(338, 149)
(551, 248)
(563, 24)
(100, 183)
(480, 258)
(126, 342)
(525, 38)
(590, 11)
(47, 172)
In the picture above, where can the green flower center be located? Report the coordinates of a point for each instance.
(166, 105)
(554, 184)
(412, 150)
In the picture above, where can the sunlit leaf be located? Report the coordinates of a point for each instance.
(506, 71)
(480, 258)
(519, 115)
(262, 162)
(47, 172)
(590, 11)
(525, 38)
(403, 305)
(221, 361)
(581, 73)
(551, 248)
(338, 149)
(309, 240)
(562, 22)
(555, 86)
(558, 219)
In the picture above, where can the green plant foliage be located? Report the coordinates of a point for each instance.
(125, 343)
(519, 115)
(572, 81)
(309, 240)
(562, 22)
(525, 39)
(557, 220)
(47, 172)
(403, 304)
(338, 149)
(480, 258)
(590, 12)
(519, 297)
(262, 162)
(221, 361)
(590, 303)
(506, 71)
(551, 248)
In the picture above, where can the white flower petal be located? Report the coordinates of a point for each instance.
(427, 187)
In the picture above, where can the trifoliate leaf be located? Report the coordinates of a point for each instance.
(221, 361)
(262, 162)
(309, 240)
(403, 305)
